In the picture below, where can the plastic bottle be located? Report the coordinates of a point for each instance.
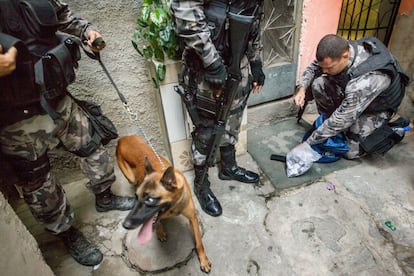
(401, 130)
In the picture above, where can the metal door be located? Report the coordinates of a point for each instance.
(279, 38)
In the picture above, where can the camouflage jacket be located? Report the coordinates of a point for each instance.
(67, 21)
(358, 94)
(70, 23)
(192, 28)
(33, 36)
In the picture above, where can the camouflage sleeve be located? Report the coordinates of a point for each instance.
(191, 27)
(69, 22)
(311, 72)
(257, 49)
(254, 52)
(359, 93)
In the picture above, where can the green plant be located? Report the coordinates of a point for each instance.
(155, 36)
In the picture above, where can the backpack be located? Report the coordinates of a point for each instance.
(333, 148)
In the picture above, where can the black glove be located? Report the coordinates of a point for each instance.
(193, 61)
(257, 72)
(215, 73)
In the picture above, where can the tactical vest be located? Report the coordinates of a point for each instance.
(44, 65)
(382, 60)
(216, 16)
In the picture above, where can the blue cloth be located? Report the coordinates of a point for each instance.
(333, 148)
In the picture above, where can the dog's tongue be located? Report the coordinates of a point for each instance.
(145, 233)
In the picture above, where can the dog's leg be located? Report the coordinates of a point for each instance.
(205, 264)
(161, 234)
(126, 169)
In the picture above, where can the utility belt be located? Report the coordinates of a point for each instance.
(20, 113)
(38, 83)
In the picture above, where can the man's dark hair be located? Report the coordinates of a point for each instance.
(331, 46)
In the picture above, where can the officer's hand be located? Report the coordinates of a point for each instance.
(300, 97)
(7, 61)
(216, 73)
(258, 76)
(95, 41)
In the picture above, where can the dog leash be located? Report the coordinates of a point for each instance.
(133, 116)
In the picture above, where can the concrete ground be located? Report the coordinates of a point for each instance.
(354, 221)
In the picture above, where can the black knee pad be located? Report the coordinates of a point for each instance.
(202, 139)
(28, 171)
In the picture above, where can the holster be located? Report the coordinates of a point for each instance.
(101, 130)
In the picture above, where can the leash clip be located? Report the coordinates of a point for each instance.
(132, 115)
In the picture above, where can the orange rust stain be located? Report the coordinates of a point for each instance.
(406, 7)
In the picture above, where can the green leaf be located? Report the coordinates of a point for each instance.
(155, 36)
(142, 23)
(147, 3)
(159, 54)
(158, 3)
(158, 17)
(161, 69)
(145, 14)
(137, 36)
(155, 83)
(148, 52)
(164, 37)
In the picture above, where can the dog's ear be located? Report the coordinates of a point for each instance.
(148, 167)
(168, 179)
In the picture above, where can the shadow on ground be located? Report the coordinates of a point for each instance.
(279, 138)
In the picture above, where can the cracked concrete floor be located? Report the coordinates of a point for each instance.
(307, 230)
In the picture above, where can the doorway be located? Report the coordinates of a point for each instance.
(279, 39)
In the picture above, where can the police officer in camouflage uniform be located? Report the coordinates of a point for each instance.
(28, 132)
(359, 96)
(196, 31)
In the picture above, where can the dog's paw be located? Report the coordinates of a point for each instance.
(161, 234)
(205, 265)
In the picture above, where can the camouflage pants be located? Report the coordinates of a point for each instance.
(233, 124)
(33, 137)
(328, 97)
(364, 126)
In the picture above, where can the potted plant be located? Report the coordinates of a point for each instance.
(155, 38)
(156, 41)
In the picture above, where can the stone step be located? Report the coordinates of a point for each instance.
(268, 113)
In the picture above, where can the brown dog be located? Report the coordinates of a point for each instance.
(161, 193)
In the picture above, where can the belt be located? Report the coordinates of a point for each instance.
(20, 113)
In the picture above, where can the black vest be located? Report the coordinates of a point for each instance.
(45, 60)
(382, 60)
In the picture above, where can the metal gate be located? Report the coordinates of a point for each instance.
(361, 18)
(279, 50)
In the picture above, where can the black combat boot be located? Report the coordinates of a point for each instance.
(205, 196)
(107, 201)
(229, 169)
(82, 250)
